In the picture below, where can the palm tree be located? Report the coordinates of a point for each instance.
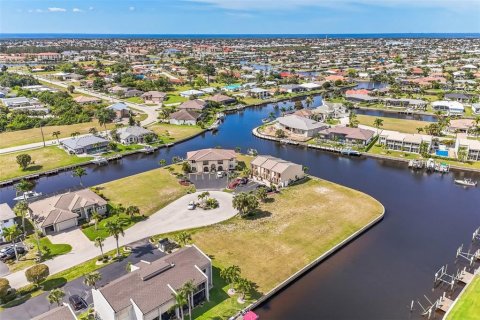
(244, 286)
(115, 229)
(132, 210)
(188, 290)
(92, 131)
(97, 217)
(231, 275)
(183, 238)
(99, 241)
(56, 134)
(11, 234)
(56, 296)
(79, 172)
(92, 278)
(419, 130)
(308, 101)
(21, 209)
(245, 203)
(378, 123)
(180, 302)
(117, 209)
(75, 134)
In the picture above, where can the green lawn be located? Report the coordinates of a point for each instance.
(468, 305)
(45, 159)
(170, 133)
(101, 231)
(149, 191)
(401, 125)
(137, 100)
(21, 137)
(173, 98)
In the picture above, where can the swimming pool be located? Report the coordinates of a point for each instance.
(442, 153)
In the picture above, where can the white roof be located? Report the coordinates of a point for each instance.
(191, 93)
(310, 85)
(449, 104)
(297, 122)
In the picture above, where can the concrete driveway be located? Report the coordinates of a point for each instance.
(173, 217)
(73, 237)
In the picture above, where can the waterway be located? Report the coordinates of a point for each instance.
(397, 115)
(377, 275)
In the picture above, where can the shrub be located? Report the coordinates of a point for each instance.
(37, 273)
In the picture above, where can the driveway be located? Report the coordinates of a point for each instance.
(208, 181)
(141, 250)
(250, 186)
(74, 237)
(173, 217)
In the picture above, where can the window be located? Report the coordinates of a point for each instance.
(205, 163)
(220, 162)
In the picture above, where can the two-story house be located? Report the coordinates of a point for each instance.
(212, 160)
(7, 218)
(148, 291)
(274, 171)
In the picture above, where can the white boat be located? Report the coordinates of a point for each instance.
(29, 195)
(99, 160)
(466, 182)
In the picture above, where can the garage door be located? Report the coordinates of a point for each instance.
(65, 224)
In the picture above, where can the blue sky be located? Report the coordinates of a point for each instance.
(239, 16)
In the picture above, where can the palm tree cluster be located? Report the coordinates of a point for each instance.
(184, 297)
(232, 275)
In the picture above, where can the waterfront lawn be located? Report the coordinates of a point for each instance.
(45, 159)
(401, 125)
(221, 305)
(289, 231)
(468, 305)
(378, 149)
(21, 137)
(149, 191)
(171, 133)
(173, 98)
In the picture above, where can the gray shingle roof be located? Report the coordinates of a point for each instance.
(82, 142)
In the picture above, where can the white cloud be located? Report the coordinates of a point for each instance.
(77, 10)
(90, 8)
(292, 4)
(55, 9)
(131, 8)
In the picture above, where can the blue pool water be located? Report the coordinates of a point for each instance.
(442, 153)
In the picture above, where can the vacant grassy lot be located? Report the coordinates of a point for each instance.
(468, 307)
(45, 159)
(173, 98)
(149, 191)
(401, 125)
(125, 220)
(17, 138)
(171, 133)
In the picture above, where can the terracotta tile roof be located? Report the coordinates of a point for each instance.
(211, 154)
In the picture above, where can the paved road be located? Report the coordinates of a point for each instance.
(141, 250)
(171, 218)
(152, 114)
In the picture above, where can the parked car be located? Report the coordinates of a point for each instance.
(9, 253)
(77, 302)
(243, 180)
(220, 174)
(191, 205)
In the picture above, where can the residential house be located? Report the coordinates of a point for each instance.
(7, 218)
(88, 144)
(450, 107)
(406, 142)
(189, 93)
(23, 103)
(291, 88)
(460, 97)
(185, 117)
(274, 171)
(121, 110)
(211, 160)
(222, 99)
(133, 134)
(472, 147)
(299, 125)
(148, 291)
(132, 93)
(259, 93)
(461, 125)
(361, 98)
(193, 105)
(154, 97)
(347, 135)
(63, 312)
(84, 100)
(64, 211)
(476, 108)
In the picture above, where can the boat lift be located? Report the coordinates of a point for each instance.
(470, 257)
(429, 309)
(476, 235)
(441, 276)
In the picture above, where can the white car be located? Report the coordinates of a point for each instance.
(191, 205)
(220, 174)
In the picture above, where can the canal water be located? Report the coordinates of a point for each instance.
(377, 275)
(394, 114)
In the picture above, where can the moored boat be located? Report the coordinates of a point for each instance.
(466, 182)
(28, 195)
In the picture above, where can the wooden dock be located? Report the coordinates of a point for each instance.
(465, 277)
(444, 304)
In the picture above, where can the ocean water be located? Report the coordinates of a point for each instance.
(237, 36)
